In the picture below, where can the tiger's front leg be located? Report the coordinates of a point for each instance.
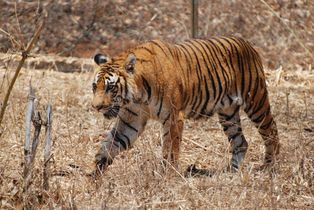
(172, 137)
(130, 124)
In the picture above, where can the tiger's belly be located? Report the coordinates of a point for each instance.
(209, 107)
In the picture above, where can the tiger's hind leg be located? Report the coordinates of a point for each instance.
(260, 114)
(229, 118)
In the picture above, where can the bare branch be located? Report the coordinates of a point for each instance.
(29, 114)
(11, 37)
(27, 147)
(19, 67)
(37, 122)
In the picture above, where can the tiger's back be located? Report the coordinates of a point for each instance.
(197, 78)
(200, 76)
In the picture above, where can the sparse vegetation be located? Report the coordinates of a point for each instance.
(137, 179)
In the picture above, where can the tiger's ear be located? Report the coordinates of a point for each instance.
(130, 63)
(100, 58)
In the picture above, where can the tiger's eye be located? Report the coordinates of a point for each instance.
(109, 87)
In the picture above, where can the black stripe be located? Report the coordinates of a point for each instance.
(158, 95)
(229, 117)
(188, 69)
(239, 43)
(190, 97)
(186, 100)
(260, 118)
(191, 68)
(253, 98)
(198, 70)
(165, 134)
(167, 118)
(126, 89)
(116, 144)
(117, 138)
(260, 105)
(267, 125)
(231, 59)
(208, 69)
(162, 49)
(190, 44)
(230, 54)
(240, 65)
(237, 152)
(234, 165)
(127, 139)
(225, 127)
(128, 125)
(221, 91)
(178, 59)
(230, 64)
(147, 49)
(171, 52)
(223, 55)
(222, 69)
(130, 111)
(206, 99)
(193, 95)
(249, 62)
(232, 137)
(187, 57)
(160, 106)
(197, 96)
(147, 88)
(200, 92)
(245, 50)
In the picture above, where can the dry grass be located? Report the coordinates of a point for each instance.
(137, 180)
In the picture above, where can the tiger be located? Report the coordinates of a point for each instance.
(169, 83)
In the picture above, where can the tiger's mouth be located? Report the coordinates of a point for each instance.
(110, 112)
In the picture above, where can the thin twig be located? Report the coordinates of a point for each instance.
(19, 27)
(47, 150)
(287, 105)
(11, 37)
(19, 67)
(305, 104)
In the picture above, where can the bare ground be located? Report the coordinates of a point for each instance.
(137, 179)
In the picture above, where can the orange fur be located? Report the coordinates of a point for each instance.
(194, 79)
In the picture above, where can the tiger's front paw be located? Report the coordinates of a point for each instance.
(193, 171)
(102, 163)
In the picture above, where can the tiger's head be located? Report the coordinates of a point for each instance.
(113, 85)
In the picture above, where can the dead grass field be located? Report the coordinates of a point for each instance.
(137, 180)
